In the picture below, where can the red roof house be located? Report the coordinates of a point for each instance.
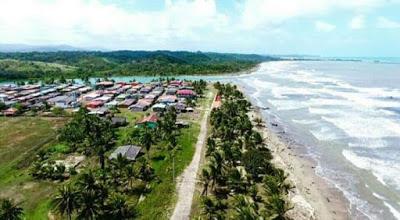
(185, 93)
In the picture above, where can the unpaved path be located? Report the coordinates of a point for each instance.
(187, 183)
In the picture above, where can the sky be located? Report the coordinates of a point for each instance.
(308, 27)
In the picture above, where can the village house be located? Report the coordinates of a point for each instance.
(141, 105)
(63, 102)
(186, 93)
(130, 152)
(10, 112)
(159, 107)
(150, 121)
(167, 99)
(127, 102)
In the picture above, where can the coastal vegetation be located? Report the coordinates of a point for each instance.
(238, 180)
(84, 64)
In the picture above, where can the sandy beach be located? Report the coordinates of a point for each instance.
(313, 197)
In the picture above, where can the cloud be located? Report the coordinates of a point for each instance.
(82, 21)
(324, 27)
(358, 22)
(387, 23)
(269, 12)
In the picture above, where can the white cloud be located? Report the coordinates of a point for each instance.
(262, 12)
(387, 23)
(358, 22)
(84, 21)
(324, 27)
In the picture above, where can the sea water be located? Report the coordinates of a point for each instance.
(347, 116)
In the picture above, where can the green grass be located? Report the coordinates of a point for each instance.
(159, 202)
(20, 139)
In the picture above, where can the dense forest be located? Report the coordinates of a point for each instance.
(81, 64)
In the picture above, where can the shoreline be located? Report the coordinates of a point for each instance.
(313, 196)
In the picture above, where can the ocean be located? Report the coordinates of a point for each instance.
(346, 115)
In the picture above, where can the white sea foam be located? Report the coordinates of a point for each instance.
(324, 133)
(283, 104)
(394, 211)
(386, 172)
(360, 126)
(305, 121)
(321, 111)
(369, 143)
(378, 196)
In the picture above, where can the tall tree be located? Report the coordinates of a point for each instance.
(65, 201)
(118, 208)
(146, 139)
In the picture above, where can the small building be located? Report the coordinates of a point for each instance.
(3, 97)
(91, 96)
(10, 112)
(121, 97)
(150, 121)
(175, 83)
(167, 99)
(111, 104)
(145, 90)
(126, 103)
(141, 105)
(99, 111)
(94, 104)
(63, 101)
(159, 107)
(104, 84)
(171, 91)
(118, 121)
(130, 152)
(186, 93)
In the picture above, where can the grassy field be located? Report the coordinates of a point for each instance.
(20, 139)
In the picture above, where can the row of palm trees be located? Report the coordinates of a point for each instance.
(239, 180)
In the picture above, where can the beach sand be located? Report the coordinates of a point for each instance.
(313, 197)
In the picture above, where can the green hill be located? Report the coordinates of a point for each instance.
(124, 63)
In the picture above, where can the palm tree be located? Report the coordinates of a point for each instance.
(120, 163)
(66, 201)
(211, 146)
(146, 140)
(276, 184)
(211, 208)
(205, 178)
(276, 207)
(258, 122)
(246, 209)
(89, 205)
(130, 175)
(87, 181)
(235, 181)
(118, 208)
(10, 210)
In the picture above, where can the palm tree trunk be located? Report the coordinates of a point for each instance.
(102, 161)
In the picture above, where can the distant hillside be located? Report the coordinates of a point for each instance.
(95, 63)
